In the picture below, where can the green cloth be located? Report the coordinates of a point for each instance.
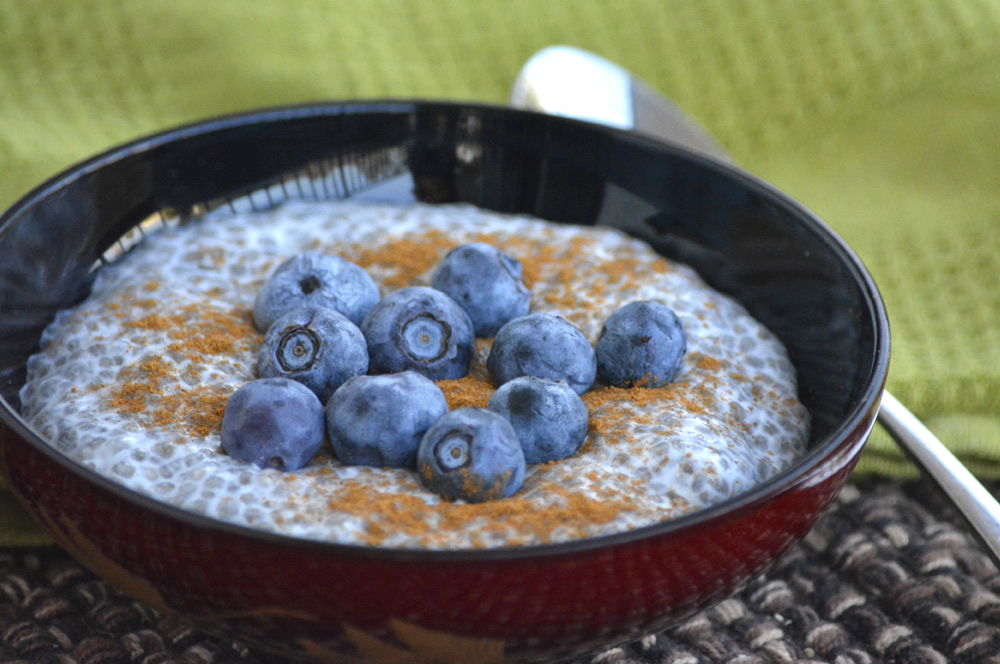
(880, 115)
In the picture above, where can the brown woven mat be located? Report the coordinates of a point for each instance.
(889, 575)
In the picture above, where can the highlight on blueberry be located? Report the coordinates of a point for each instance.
(543, 346)
(380, 420)
(315, 346)
(312, 278)
(486, 283)
(549, 418)
(641, 343)
(419, 329)
(273, 423)
(471, 454)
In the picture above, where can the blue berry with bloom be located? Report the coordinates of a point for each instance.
(641, 343)
(313, 278)
(471, 454)
(543, 346)
(486, 283)
(549, 418)
(419, 329)
(315, 346)
(380, 420)
(273, 423)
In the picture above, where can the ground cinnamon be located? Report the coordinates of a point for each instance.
(200, 336)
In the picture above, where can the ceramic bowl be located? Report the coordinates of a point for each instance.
(349, 603)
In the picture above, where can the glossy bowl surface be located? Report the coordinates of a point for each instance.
(346, 603)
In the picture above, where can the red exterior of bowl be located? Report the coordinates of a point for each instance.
(344, 603)
(309, 599)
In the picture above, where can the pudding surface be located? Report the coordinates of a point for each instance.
(133, 382)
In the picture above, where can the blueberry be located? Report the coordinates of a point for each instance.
(549, 418)
(379, 420)
(419, 329)
(313, 278)
(315, 346)
(640, 344)
(471, 454)
(543, 346)
(486, 283)
(273, 423)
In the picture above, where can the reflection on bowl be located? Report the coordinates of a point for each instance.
(348, 603)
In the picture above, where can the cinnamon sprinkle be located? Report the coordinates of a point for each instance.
(201, 335)
(517, 520)
(468, 392)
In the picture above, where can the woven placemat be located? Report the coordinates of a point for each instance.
(888, 575)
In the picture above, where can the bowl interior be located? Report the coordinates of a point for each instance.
(745, 238)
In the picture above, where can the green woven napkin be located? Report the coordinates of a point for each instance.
(880, 115)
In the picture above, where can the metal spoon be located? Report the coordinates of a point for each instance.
(567, 81)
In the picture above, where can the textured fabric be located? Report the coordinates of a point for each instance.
(878, 114)
(882, 578)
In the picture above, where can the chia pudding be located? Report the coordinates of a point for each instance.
(133, 382)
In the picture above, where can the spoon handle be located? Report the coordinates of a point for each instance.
(566, 81)
(972, 499)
